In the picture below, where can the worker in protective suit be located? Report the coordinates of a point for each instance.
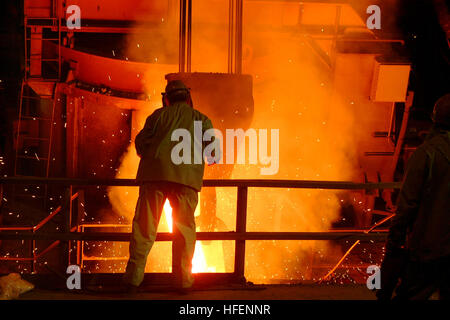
(418, 246)
(167, 178)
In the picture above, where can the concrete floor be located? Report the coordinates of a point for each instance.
(257, 292)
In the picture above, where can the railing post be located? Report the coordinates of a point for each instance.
(33, 255)
(66, 210)
(241, 227)
(80, 215)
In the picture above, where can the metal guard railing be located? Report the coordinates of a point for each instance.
(69, 232)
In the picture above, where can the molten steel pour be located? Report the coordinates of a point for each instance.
(214, 250)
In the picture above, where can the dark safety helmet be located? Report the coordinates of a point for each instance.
(176, 91)
(175, 86)
(441, 111)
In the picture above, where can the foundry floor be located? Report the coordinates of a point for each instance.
(257, 292)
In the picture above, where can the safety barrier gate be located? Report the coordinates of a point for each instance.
(70, 232)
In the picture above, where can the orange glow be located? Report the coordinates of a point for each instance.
(199, 263)
(168, 215)
(323, 118)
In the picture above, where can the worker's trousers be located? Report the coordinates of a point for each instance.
(183, 201)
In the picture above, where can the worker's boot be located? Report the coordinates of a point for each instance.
(131, 290)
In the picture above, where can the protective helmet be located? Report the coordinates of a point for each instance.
(441, 111)
(174, 86)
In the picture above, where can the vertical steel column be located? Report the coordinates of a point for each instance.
(182, 37)
(235, 17)
(238, 37)
(25, 31)
(57, 14)
(189, 36)
(231, 36)
(241, 226)
(185, 36)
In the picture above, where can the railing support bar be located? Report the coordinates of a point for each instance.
(66, 225)
(241, 226)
